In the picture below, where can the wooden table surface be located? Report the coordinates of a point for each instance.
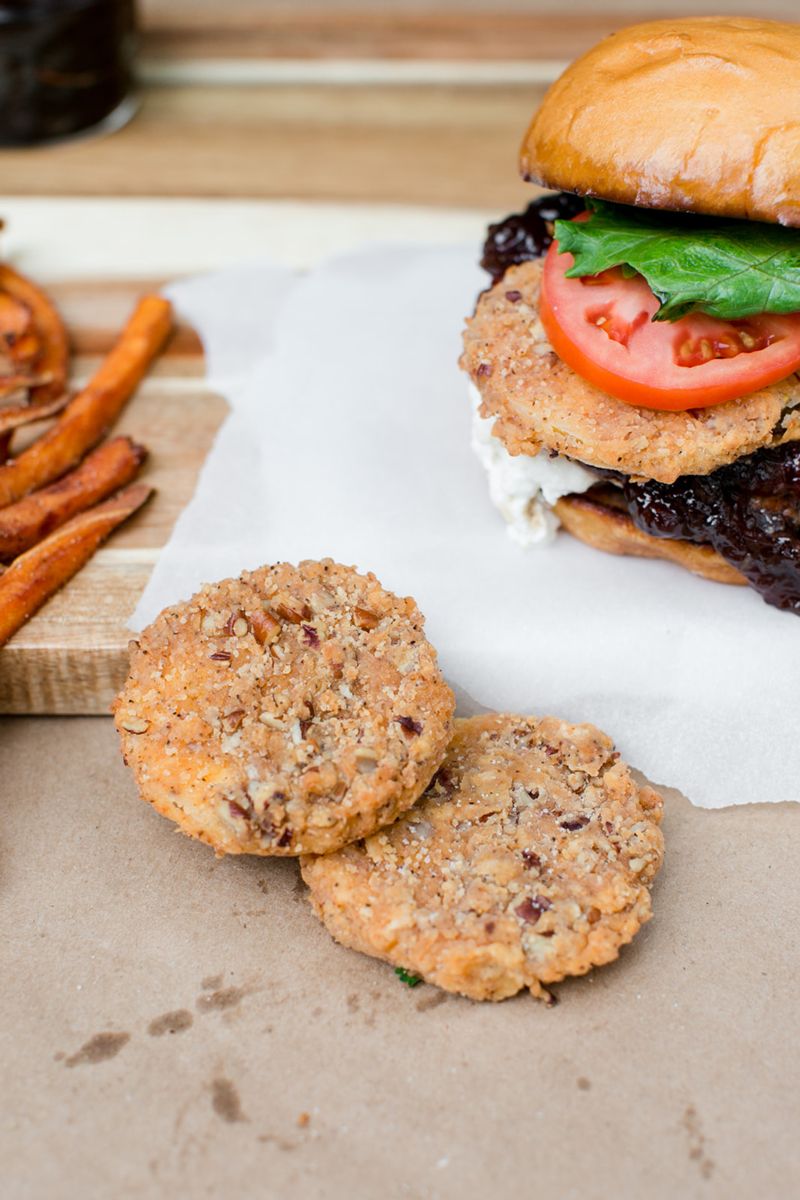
(394, 102)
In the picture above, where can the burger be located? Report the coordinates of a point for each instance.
(634, 362)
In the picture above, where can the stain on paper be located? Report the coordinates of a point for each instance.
(225, 1101)
(697, 1142)
(98, 1049)
(170, 1022)
(221, 999)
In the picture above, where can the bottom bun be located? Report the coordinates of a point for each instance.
(597, 518)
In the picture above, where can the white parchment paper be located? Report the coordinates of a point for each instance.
(349, 437)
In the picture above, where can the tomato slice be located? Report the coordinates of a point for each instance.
(601, 326)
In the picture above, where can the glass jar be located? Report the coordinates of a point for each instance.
(66, 66)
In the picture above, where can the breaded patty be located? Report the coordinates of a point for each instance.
(538, 401)
(529, 858)
(289, 710)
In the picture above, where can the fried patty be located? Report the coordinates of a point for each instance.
(529, 858)
(538, 401)
(289, 710)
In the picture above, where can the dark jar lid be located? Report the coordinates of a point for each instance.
(65, 66)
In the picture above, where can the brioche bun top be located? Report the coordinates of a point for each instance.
(699, 114)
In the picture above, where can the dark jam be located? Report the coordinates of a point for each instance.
(749, 512)
(526, 235)
(65, 66)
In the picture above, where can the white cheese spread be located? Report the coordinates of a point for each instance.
(525, 487)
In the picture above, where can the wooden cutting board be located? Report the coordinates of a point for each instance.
(96, 257)
(71, 656)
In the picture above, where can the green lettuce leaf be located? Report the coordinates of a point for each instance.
(725, 268)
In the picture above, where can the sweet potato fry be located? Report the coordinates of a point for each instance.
(36, 575)
(89, 416)
(44, 348)
(106, 469)
(20, 343)
(15, 415)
